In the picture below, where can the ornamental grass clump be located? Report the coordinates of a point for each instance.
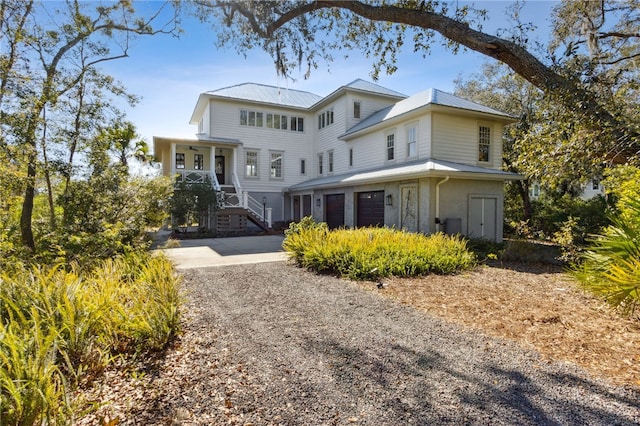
(60, 327)
(369, 253)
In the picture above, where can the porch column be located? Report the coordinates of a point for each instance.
(212, 162)
(172, 160)
(268, 218)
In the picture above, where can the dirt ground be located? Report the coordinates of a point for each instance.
(539, 307)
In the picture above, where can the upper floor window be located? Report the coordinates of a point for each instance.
(276, 164)
(303, 166)
(297, 124)
(356, 110)
(251, 163)
(320, 161)
(412, 142)
(179, 160)
(251, 118)
(484, 143)
(198, 162)
(391, 146)
(350, 157)
(276, 121)
(330, 161)
(325, 119)
(595, 184)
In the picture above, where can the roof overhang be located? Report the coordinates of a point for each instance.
(412, 170)
(162, 141)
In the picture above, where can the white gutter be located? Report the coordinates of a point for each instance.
(438, 223)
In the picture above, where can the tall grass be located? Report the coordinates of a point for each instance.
(61, 327)
(368, 253)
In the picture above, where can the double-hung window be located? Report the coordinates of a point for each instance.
(330, 161)
(276, 165)
(484, 144)
(251, 163)
(391, 146)
(179, 160)
(198, 162)
(412, 142)
(356, 110)
(320, 164)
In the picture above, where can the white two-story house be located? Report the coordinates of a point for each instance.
(363, 155)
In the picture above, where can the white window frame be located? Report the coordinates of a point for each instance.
(246, 163)
(390, 146)
(330, 161)
(320, 164)
(350, 157)
(303, 166)
(357, 109)
(198, 165)
(484, 143)
(183, 161)
(278, 157)
(412, 141)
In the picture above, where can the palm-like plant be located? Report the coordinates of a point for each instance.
(611, 268)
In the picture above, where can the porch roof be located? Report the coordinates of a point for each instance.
(414, 169)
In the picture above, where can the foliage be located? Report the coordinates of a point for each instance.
(368, 253)
(611, 267)
(192, 203)
(588, 74)
(61, 328)
(48, 76)
(622, 185)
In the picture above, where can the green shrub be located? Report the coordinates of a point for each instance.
(60, 327)
(611, 267)
(369, 253)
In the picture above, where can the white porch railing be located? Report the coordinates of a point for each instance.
(197, 176)
(228, 200)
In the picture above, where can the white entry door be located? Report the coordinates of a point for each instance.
(482, 218)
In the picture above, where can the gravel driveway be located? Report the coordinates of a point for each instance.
(273, 344)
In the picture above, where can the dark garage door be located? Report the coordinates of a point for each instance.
(334, 210)
(370, 208)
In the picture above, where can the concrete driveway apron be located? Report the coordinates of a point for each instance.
(204, 253)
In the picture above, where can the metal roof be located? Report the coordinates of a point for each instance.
(422, 99)
(414, 169)
(254, 92)
(366, 86)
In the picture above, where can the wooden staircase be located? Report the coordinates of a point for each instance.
(232, 218)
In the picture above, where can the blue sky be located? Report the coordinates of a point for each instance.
(169, 73)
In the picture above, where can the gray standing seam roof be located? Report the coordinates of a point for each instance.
(430, 96)
(267, 94)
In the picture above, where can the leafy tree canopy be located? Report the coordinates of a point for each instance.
(588, 74)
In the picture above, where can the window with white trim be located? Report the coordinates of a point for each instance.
(297, 124)
(391, 146)
(179, 160)
(330, 161)
(320, 161)
(198, 162)
(484, 143)
(276, 165)
(325, 118)
(356, 109)
(412, 141)
(251, 118)
(350, 157)
(303, 166)
(251, 163)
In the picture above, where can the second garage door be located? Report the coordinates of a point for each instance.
(334, 210)
(370, 208)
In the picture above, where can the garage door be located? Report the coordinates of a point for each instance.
(334, 210)
(370, 208)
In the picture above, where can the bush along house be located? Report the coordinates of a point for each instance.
(363, 155)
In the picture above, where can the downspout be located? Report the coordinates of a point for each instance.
(438, 222)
